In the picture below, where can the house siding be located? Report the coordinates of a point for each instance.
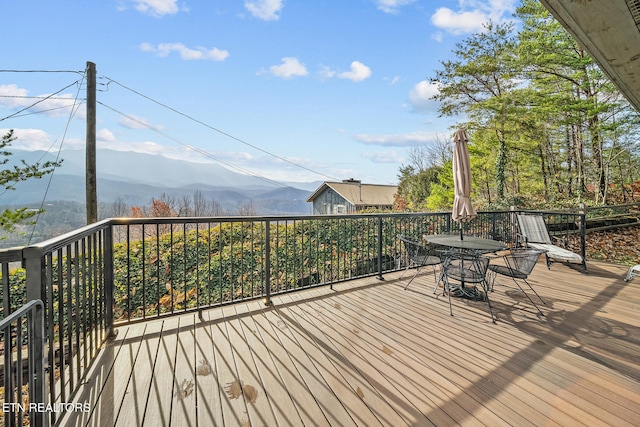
(330, 202)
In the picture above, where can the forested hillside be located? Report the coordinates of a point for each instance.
(546, 126)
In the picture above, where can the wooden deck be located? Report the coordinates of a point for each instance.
(370, 353)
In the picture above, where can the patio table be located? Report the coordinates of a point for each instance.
(467, 243)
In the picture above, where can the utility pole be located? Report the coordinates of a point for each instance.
(91, 186)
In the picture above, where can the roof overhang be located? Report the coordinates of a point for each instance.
(610, 31)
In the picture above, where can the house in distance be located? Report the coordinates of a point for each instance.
(351, 196)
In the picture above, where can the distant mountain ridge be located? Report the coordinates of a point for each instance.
(136, 178)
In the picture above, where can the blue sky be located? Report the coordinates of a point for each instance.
(294, 90)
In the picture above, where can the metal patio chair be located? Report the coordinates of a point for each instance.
(533, 231)
(518, 264)
(469, 269)
(418, 256)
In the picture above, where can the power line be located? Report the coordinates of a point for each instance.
(66, 128)
(38, 102)
(49, 109)
(42, 71)
(34, 97)
(220, 131)
(198, 150)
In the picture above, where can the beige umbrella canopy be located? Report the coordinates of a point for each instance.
(462, 208)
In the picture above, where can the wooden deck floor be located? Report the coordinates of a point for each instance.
(370, 353)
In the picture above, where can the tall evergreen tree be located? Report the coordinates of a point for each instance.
(479, 83)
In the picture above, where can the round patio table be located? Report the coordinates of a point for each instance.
(466, 243)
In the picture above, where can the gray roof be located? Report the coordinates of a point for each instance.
(359, 194)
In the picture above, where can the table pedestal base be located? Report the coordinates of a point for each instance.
(472, 293)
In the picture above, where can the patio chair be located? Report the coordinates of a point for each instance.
(518, 264)
(466, 268)
(634, 271)
(533, 231)
(418, 256)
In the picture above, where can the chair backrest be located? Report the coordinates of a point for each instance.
(469, 267)
(414, 248)
(533, 228)
(523, 260)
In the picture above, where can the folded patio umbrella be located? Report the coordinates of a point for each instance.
(462, 208)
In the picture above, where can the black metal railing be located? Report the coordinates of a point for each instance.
(120, 270)
(608, 211)
(72, 275)
(23, 341)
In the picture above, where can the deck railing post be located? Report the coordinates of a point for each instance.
(35, 273)
(583, 235)
(37, 342)
(380, 248)
(108, 280)
(267, 263)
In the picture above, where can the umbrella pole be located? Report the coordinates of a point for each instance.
(461, 238)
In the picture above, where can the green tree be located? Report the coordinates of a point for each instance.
(11, 175)
(577, 106)
(479, 83)
(417, 178)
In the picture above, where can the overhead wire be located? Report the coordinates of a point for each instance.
(196, 149)
(38, 102)
(63, 107)
(64, 134)
(42, 71)
(219, 130)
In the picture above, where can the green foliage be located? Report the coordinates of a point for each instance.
(416, 186)
(181, 269)
(17, 289)
(545, 124)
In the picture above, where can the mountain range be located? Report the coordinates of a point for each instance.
(137, 178)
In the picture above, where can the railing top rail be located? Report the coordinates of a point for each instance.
(11, 254)
(274, 218)
(169, 220)
(547, 212)
(21, 312)
(68, 238)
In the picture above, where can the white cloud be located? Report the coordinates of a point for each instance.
(157, 8)
(290, 67)
(459, 22)
(326, 73)
(14, 98)
(398, 140)
(37, 139)
(147, 147)
(392, 6)
(358, 72)
(11, 96)
(471, 15)
(266, 10)
(391, 156)
(105, 135)
(188, 54)
(421, 96)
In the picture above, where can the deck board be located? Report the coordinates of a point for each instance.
(208, 385)
(159, 400)
(368, 352)
(131, 409)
